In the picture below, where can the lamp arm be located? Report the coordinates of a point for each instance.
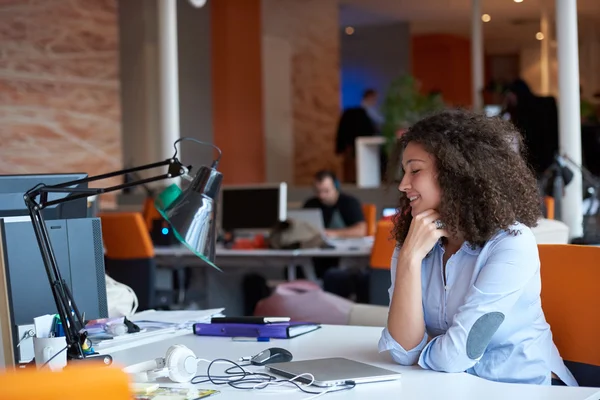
(65, 304)
(176, 169)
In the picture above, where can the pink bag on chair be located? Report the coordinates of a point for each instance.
(305, 301)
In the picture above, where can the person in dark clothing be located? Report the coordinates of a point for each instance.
(343, 218)
(537, 119)
(362, 120)
(342, 213)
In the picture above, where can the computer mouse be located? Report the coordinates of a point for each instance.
(272, 355)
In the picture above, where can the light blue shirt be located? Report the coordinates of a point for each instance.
(488, 319)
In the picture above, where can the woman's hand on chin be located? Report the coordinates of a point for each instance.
(422, 235)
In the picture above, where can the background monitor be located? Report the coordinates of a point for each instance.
(493, 110)
(389, 212)
(256, 207)
(13, 187)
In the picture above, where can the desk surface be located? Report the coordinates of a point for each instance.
(358, 343)
(180, 251)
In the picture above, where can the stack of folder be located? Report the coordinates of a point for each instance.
(258, 327)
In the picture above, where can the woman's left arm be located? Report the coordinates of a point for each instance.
(513, 261)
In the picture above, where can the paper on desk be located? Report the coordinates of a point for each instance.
(43, 325)
(175, 318)
(156, 324)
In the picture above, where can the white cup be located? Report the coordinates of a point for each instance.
(46, 348)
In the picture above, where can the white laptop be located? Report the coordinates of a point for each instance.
(313, 216)
(333, 371)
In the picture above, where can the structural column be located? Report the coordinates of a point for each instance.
(545, 51)
(168, 76)
(569, 109)
(237, 98)
(477, 55)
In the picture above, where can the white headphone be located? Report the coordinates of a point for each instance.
(180, 365)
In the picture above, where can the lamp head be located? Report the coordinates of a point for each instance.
(192, 213)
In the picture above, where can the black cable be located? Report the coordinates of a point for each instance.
(191, 139)
(52, 358)
(250, 380)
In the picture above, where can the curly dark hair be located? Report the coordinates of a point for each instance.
(485, 183)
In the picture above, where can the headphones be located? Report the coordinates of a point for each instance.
(325, 173)
(180, 365)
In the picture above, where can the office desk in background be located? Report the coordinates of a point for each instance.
(218, 289)
(267, 258)
(357, 343)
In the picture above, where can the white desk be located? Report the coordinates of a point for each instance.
(358, 343)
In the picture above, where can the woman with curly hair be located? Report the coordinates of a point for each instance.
(465, 293)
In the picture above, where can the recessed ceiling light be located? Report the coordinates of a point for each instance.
(518, 1)
(349, 30)
(539, 36)
(486, 18)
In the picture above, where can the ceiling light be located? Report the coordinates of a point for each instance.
(486, 18)
(349, 30)
(518, 1)
(539, 36)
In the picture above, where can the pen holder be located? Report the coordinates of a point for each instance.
(46, 348)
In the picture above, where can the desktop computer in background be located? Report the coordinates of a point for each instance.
(252, 208)
(77, 244)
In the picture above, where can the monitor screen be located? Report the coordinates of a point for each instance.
(13, 187)
(253, 207)
(389, 212)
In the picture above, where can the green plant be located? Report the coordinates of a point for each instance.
(404, 105)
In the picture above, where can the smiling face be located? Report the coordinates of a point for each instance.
(419, 183)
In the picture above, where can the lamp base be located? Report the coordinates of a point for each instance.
(105, 359)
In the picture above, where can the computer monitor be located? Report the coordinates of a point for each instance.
(77, 246)
(493, 110)
(389, 212)
(13, 187)
(253, 208)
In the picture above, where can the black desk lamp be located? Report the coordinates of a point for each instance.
(190, 212)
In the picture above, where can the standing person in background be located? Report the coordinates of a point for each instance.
(369, 103)
(362, 120)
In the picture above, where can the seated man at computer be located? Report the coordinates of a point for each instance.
(343, 218)
(342, 213)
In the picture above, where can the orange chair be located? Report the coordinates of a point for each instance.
(370, 213)
(129, 256)
(73, 383)
(381, 257)
(149, 212)
(383, 245)
(549, 204)
(570, 276)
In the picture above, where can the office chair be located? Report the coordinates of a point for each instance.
(129, 254)
(381, 258)
(370, 213)
(570, 276)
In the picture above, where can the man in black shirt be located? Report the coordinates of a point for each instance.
(343, 218)
(342, 213)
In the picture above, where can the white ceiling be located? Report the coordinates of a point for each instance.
(513, 25)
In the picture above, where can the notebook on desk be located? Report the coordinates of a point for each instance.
(277, 330)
